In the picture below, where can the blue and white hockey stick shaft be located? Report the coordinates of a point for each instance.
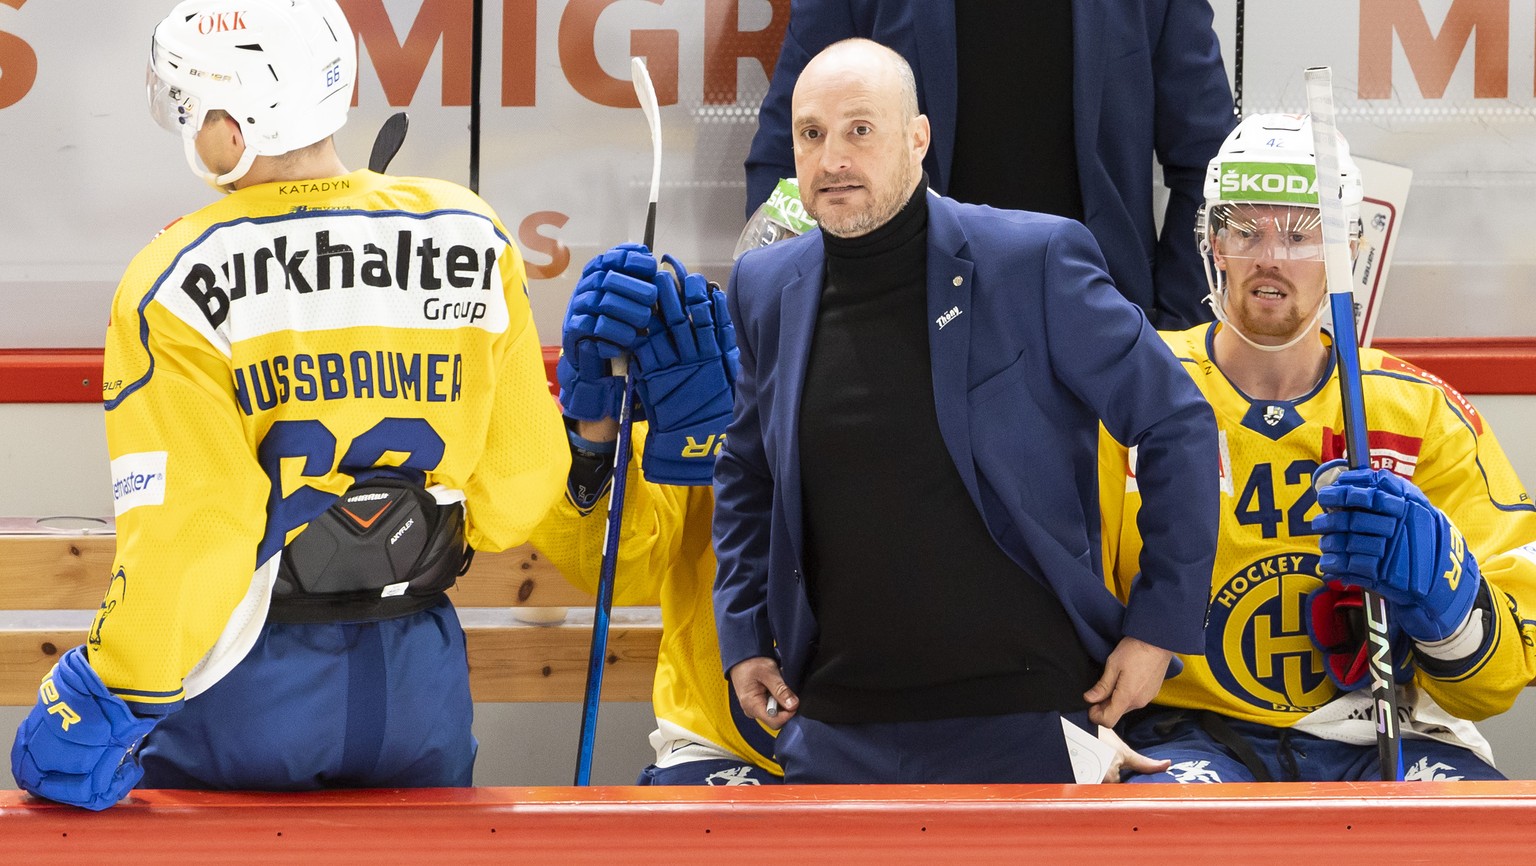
(597, 658)
(1341, 300)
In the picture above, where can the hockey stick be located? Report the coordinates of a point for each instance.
(597, 657)
(476, 47)
(1237, 62)
(1341, 301)
(387, 143)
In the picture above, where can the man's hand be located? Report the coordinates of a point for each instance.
(77, 745)
(1133, 673)
(608, 310)
(755, 680)
(1380, 533)
(1335, 616)
(1127, 758)
(686, 366)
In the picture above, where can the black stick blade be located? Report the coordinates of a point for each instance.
(387, 143)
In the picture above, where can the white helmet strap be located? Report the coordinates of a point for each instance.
(222, 182)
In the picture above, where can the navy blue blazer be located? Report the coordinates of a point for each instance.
(1148, 81)
(1030, 346)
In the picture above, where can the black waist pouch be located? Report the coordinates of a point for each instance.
(385, 549)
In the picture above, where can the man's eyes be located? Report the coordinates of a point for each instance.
(858, 129)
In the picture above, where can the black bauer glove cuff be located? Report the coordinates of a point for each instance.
(591, 470)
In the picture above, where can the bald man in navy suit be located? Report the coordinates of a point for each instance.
(906, 504)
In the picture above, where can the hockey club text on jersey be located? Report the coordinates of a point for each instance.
(360, 375)
(416, 262)
(1263, 569)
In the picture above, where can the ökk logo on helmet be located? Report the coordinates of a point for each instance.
(220, 22)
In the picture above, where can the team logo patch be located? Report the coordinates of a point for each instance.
(732, 777)
(1273, 421)
(138, 479)
(1193, 772)
(1424, 771)
(1256, 638)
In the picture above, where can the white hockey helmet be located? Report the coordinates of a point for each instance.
(1268, 159)
(283, 69)
(1267, 162)
(781, 216)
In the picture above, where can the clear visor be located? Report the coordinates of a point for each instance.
(1266, 231)
(173, 108)
(761, 231)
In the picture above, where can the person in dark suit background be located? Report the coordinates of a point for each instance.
(1058, 106)
(906, 512)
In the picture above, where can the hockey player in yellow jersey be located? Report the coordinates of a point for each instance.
(318, 391)
(684, 357)
(1281, 692)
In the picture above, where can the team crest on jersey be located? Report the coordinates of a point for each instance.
(1256, 637)
(1273, 421)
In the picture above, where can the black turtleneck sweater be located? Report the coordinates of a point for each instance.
(922, 615)
(1015, 138)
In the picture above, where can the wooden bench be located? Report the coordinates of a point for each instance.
(53, 574)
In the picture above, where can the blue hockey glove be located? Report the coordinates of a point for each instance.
(1336, 623)
(1380, 533)
(686, 367)
(77, 745)
(610, 305)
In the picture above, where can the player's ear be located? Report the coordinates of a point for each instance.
(237, 134)
(919, 134)
(228, 128)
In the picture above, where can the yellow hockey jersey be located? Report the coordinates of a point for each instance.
(665, 557)
(1259, 663)
(266, 347)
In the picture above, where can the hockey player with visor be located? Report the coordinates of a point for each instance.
(1439, 526)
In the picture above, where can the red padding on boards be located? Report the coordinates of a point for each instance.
(1190, 825)
(74, 375)
(1472, 365)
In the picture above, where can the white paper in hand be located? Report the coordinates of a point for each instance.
(1091, 758)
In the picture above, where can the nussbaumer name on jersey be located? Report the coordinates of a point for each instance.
(360, 375)
(316, 262)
